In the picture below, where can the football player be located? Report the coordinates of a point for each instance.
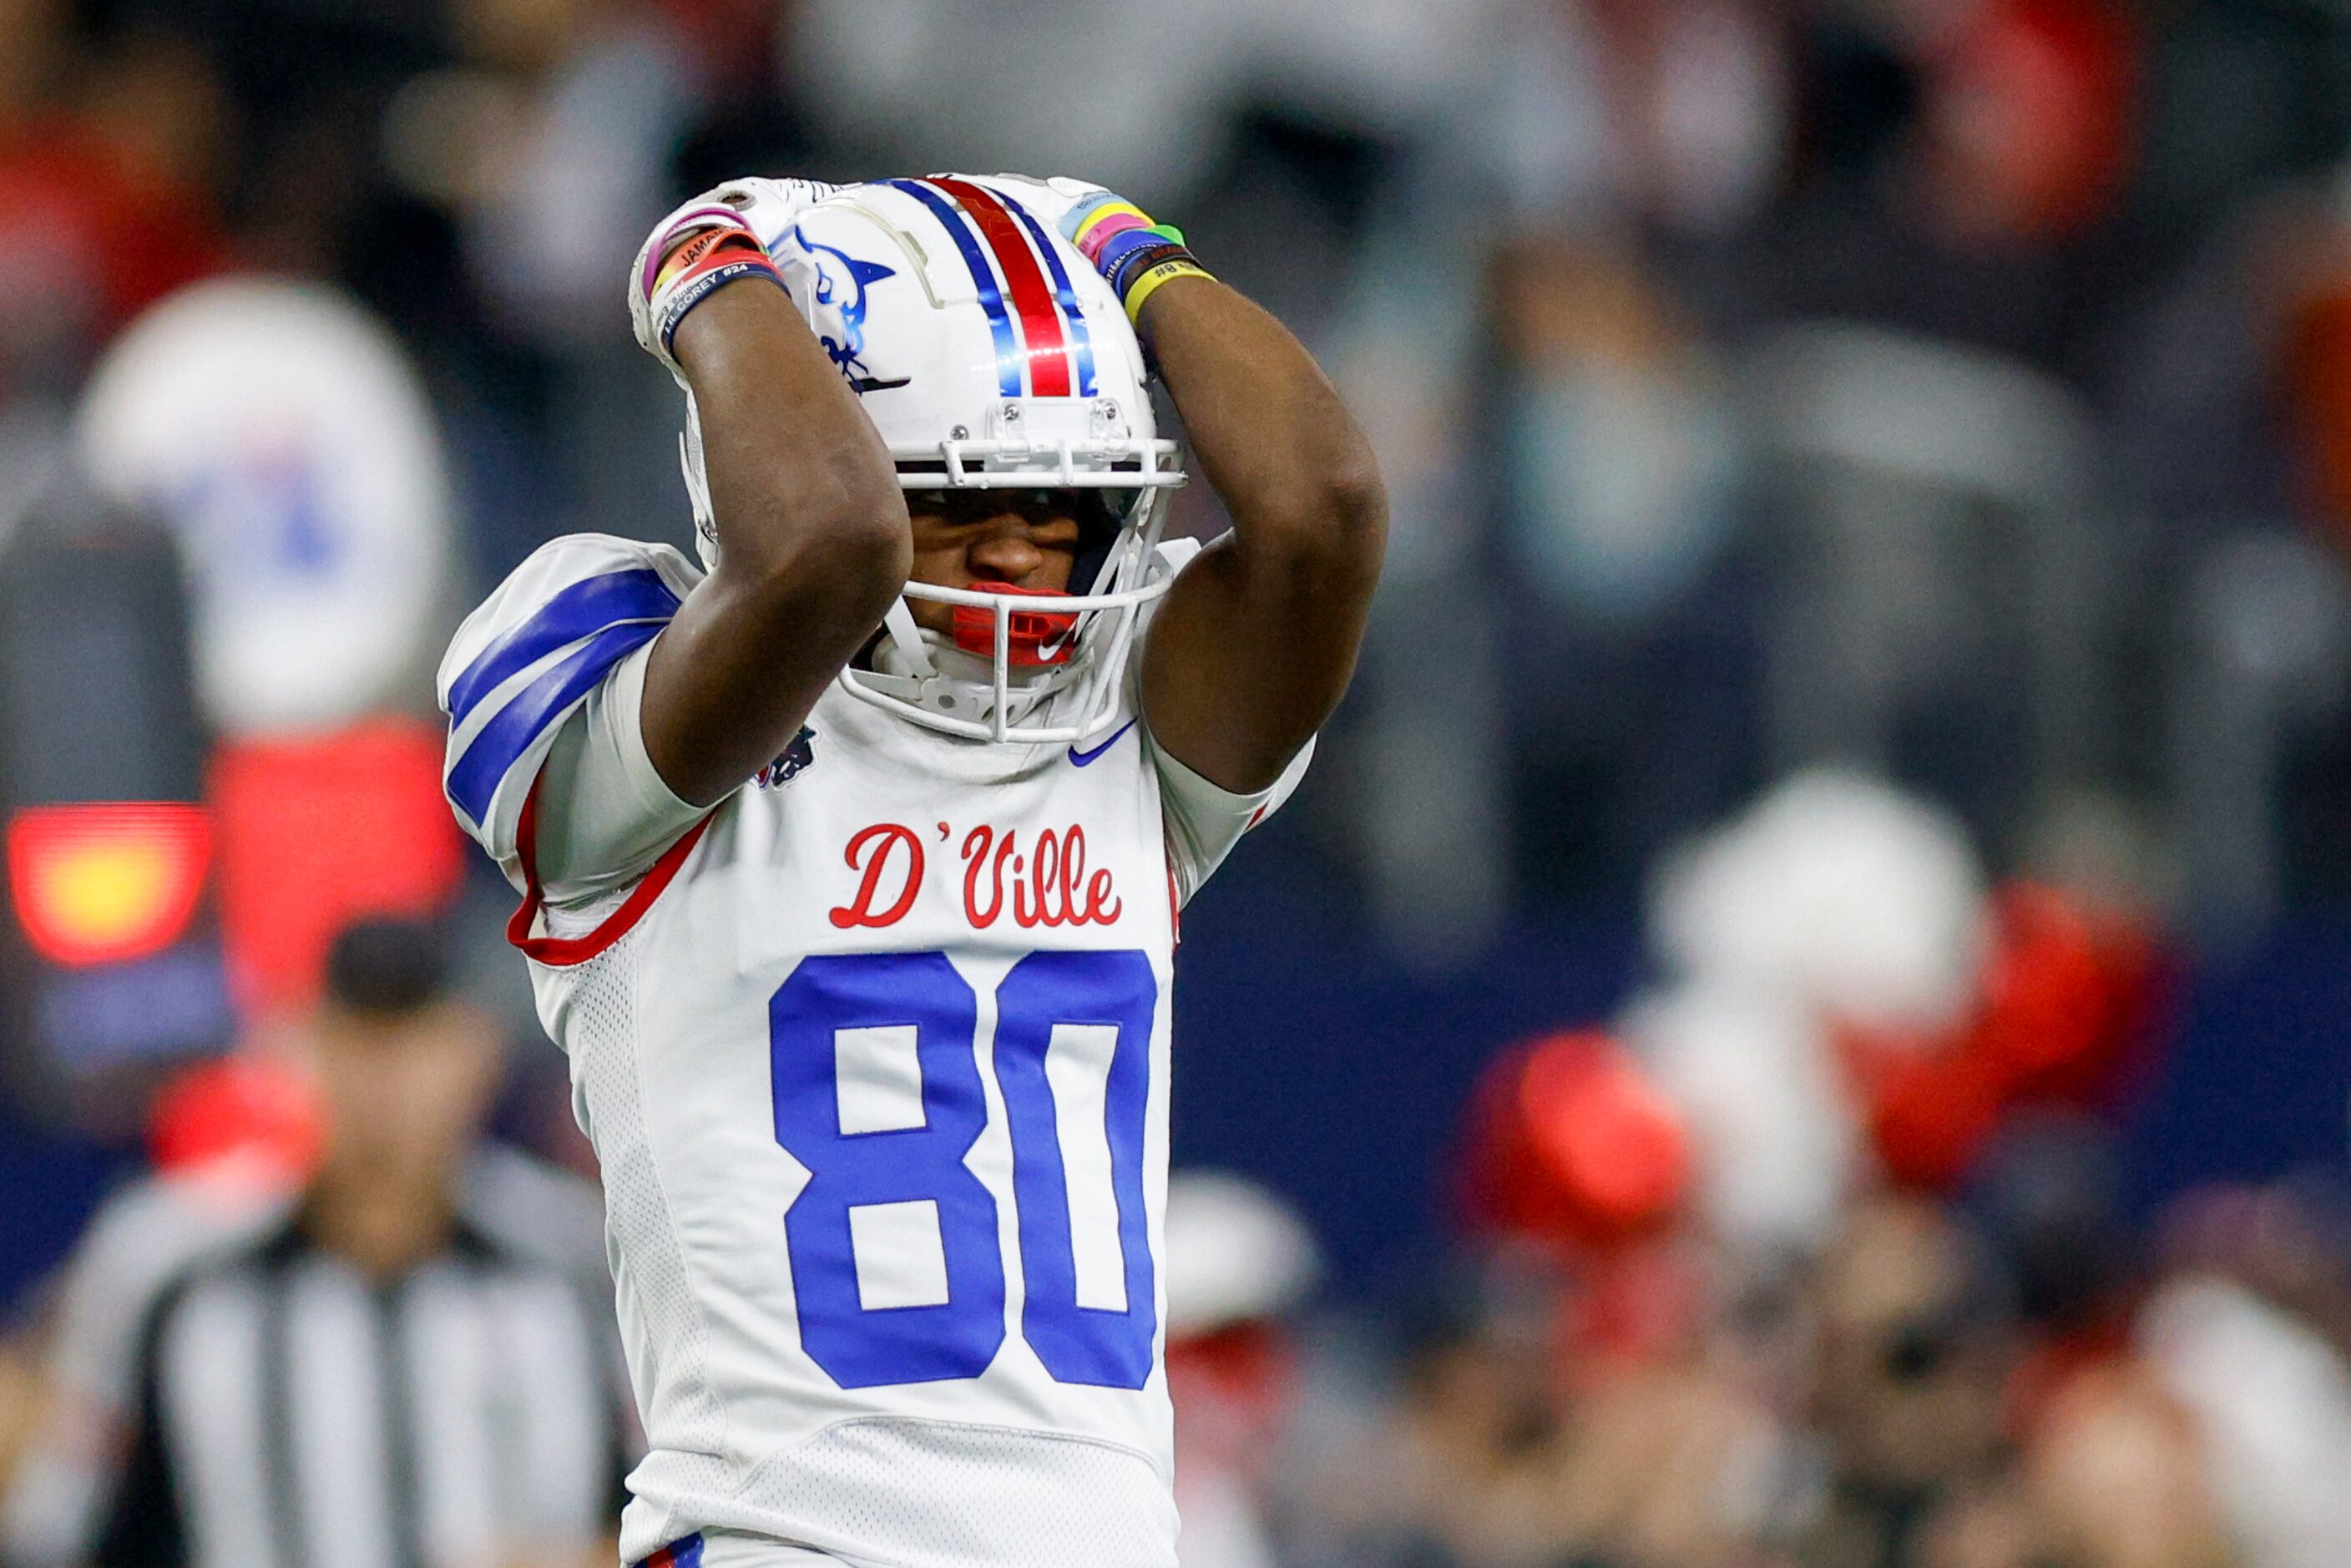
(852, 861)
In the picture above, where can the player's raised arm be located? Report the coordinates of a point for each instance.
(1255, 642)
(810, 526)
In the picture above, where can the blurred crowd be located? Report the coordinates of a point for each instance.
(1777, 397)
(1950, 387)
(1820, 1253)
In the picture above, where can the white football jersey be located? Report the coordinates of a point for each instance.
(875, 1059)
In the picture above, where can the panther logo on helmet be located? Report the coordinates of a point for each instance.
(838, 304)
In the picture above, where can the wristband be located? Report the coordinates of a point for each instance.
(1135, 255)
(1181, 265)
(704, 264)
(1103, 221)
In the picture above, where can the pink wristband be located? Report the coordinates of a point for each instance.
(1102, 230)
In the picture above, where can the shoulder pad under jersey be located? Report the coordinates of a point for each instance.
(529, 657)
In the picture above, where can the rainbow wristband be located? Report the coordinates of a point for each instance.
(1134, 255)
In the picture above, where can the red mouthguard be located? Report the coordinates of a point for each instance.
(1034, 637)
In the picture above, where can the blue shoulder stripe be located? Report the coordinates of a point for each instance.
(502, 741)
(585, 607)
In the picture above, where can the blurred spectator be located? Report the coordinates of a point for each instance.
(1239, 1264)
(407, 1360)
(1532, 1432)
(1908, 1393)
(549, 142)
(2119, 1482)
(110, 166)
(23, 1404)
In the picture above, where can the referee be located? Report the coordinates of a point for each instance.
(408, 1365)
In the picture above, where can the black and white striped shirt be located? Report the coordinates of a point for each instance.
(282, 1410)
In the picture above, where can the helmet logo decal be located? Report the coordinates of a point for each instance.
(842, 281)
(982, 225)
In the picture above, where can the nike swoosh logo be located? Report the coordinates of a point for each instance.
(1080, 758)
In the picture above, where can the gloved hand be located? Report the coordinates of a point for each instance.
(719, 238)
(772, 207)
(1125, 245)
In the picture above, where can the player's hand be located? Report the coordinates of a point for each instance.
(1135, 255)
(772, 207)
(1046, 200)
(718, 238)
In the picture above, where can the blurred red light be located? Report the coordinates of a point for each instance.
(103, 883)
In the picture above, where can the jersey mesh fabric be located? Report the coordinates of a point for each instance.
(1102, 1506)
(649, 1270)
(729, 1549)
(1098, 1506)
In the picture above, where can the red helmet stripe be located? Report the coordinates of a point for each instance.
(1032, 298)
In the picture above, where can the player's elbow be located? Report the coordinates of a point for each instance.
(847, 551)
(1332, 524)
(1355, 502)
(879, 560)
(860, 556)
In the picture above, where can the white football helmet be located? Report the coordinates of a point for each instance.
(991, 356)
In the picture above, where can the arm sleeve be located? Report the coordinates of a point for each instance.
(604, 812)
(1203, 823)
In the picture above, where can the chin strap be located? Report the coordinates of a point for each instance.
(906, 641)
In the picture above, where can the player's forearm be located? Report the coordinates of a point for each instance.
(1270, 434)
(1257, 641)
(813, 545)
(800, 484)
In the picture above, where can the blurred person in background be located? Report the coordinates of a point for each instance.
(1912, 1351)
(23, 1396)
(1579, 1417)
(404, 1359)
(1239, 1262)
(113, 153)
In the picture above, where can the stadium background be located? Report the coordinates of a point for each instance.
(1867, 639)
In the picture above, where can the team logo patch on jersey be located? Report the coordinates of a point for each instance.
(799, 755)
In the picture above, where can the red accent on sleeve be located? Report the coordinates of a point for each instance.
(563, 952)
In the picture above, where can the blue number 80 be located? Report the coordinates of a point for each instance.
(951, 1326)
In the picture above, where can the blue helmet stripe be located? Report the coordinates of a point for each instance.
(585, 607)
(1061, 292)
(493, 753)
(1008, 360)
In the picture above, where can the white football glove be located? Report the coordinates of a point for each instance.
(763, 209)
(1046, 200)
